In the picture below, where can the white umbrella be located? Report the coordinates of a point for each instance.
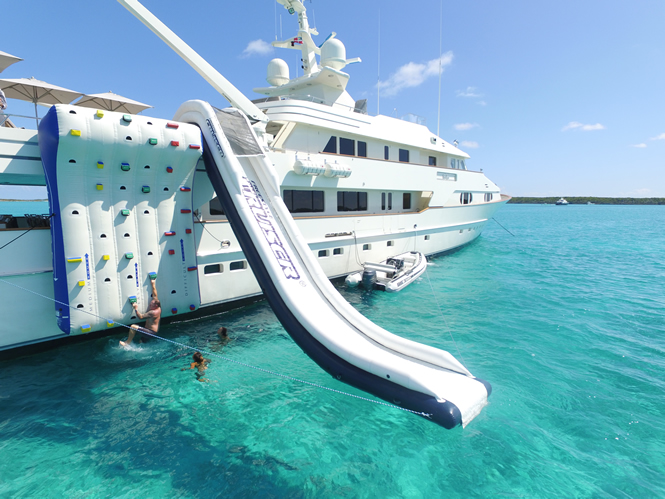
(7, 60)
(33, 90)
(112, 102)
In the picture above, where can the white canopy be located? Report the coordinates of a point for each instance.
(7, 60)
(112, 102)
(37, 91)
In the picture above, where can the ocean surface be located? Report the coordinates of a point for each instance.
(565, 317)
(21, 208)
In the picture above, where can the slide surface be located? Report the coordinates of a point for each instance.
(328, 329)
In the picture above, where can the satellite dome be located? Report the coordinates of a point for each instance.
(333, 54)
(278, 72)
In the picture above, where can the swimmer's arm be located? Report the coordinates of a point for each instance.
(191, 366)
(154, 289)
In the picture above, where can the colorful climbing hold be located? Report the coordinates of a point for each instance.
(152, 142)
(124, 167)
(145, 189)
(127, 118)
(76, 133)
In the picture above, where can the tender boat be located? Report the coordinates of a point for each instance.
(391, 275)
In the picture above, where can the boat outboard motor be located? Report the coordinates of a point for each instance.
(369, 279)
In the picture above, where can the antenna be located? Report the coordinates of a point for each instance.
(438, 117)
(378, 70)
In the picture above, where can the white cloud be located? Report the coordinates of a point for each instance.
(465, 126)
(482, 103)
(413, 74)
(257, 47)
(659, 137)
(641, 146)
(469, 92)
(469, 144)
(575, 125)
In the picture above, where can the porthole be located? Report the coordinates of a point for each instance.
(338, 251)
(390, 243)
(128, 138)
(323, 253)
(367, 247)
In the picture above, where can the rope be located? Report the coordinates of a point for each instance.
(503, 227)
(260, 369)
(17, 237)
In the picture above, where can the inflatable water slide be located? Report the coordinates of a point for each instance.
(120, 188)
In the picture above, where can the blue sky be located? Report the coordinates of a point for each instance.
(549, 98)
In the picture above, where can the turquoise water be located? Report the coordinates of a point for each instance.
(20, 208)
(566, 319)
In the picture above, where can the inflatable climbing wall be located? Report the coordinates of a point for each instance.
(120, 191)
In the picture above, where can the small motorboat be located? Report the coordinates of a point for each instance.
(561, 202)
(391, 275)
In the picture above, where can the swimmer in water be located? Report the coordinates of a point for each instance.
(200, 364)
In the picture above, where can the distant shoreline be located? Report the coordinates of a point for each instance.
(587, 200)
(23, 200)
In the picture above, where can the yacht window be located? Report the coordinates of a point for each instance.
(331, 146)
(386, 152)
(338, 251)
(488, 197)
(241, 265)
(351, 201)
(216, 206)
(215, 268)
(404, 155)
(432, 160)
(383, 200)
(323, 253)
(463, 167)
(347, 146)
(406, 201)
(390, 243)
(367, 247)
(362, 149)
(465, 198)
(427, 237)
(303, 201)
(390, 200)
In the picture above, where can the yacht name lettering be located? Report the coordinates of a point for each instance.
(262, 216)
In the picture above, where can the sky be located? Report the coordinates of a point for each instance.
(561, 98)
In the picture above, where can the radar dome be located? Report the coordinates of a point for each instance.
(333, 54)
(278, 72)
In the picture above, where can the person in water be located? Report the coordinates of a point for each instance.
(200, 364)
(151, 317)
